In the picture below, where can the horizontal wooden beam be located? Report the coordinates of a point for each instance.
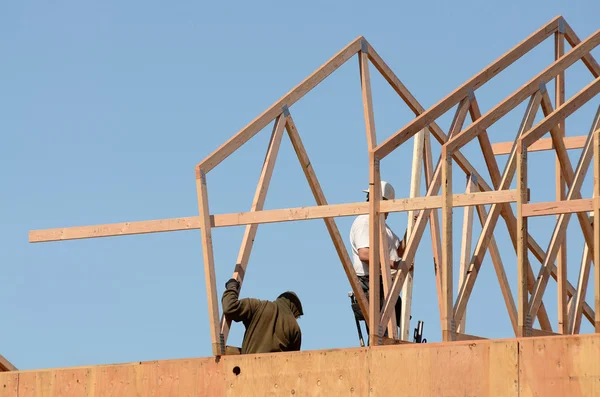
(557, 207)
(266, 216)
(460, 336)
(5, 365)
(539, 332)
(452, 99)
(571, 142)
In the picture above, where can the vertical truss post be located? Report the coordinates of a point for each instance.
(415, 190)
(465, 249)
(559, 49)
(218, 344)
(375, 332)
(524, 321)
(447, 325)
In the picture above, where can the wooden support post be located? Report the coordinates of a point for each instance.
(559, 48)
(576, 309)
(375, 331)
(257, 205)
(596, 248)
(447, 325)
(465, 249)
(415, 190)
(218, 344)
(524, 321)
(434, 223)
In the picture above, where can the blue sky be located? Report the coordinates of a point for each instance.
(107, 106)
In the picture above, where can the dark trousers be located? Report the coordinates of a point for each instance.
(364, 283)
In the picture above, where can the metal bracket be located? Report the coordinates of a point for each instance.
(222, 343)
(542, 87)
(453, 325)
(285, 110)
(474, 179)
(528, 325)
(364, 48)
(202, 177)
(561, 26)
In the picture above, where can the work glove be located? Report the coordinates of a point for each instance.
(233, 284)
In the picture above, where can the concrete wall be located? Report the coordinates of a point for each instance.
(548, 366)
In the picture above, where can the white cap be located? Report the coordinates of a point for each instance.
(387, 191)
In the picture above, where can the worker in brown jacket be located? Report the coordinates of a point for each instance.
(270, 326)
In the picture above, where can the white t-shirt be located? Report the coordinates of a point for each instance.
(359, 238)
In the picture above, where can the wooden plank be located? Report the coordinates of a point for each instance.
(458, 336)
(257, 205)
(6, 365)
(426, 118)
(524, 92)
(557, 207)
(465, 248)
(500, 273)
(563, 111)
(447, 324)
(587, 59)
(415, 191)
(332, 228)
(559, 89)
(561, 224)
(367, 99)
(571, 142)
(559, 366)
(539, 332)
(218, 346)
(375, 327)
(524, 321)
(264, 216)
(490, 223)
(579, 298)
(226, 149)
(471, 368)
(434, 224)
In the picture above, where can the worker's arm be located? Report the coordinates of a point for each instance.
(402, 246)
(296, 342)
(236, 309)
(363, 255)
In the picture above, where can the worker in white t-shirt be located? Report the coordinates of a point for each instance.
(359, 241)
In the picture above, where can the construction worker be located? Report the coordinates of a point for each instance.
(359, 241)
(270, 326)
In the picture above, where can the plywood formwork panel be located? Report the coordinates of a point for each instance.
(196, 377)
(9, 382)
(440, 369)
(328, 373)
(560, 366)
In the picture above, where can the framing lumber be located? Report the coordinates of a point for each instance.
(465, 248)
(557, 207)
(575, 315)
(218, 344)
(597, 228)
(524, 92)
(574, 181)
(6, 365)
(524, 321)
(571, 142)
(415, 191)
(257, 205)
(472, 84)
(490, 222)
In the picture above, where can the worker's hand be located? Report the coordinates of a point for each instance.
(232, 283)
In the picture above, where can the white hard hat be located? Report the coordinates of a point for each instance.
(387, 191)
